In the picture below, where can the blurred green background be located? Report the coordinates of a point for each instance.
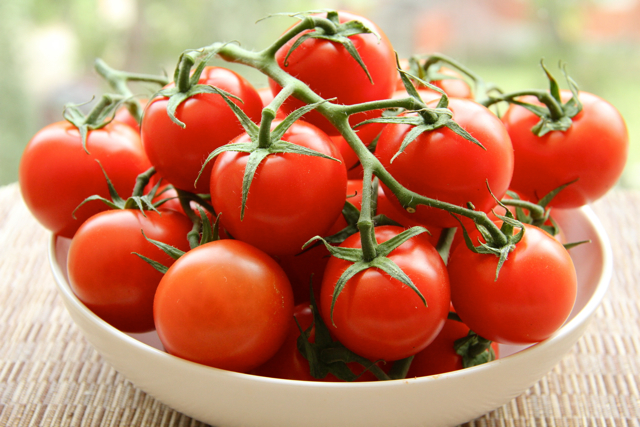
(47, 47)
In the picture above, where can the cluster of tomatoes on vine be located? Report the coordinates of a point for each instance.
(359, 218)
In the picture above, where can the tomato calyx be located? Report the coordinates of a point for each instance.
(209, 233)
(554, 114)
(264, 141)
(137, 200)
(474, 349)
(424, 119)
(331, 29)
(186, 81)
(491, 246)
(100, 115)
(431, 70)
(362, 262)
(328, 356)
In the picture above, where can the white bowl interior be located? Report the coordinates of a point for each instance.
(224, 398)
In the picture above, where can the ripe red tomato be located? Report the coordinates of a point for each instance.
(330, 71)
(532, 297)
(593, 150)
(292, 198)
(56, 174)
(112, 282)
(224, 304)
(377, 316)
(443, 165)
(123, 115)
(289, 363)
(177, 153)
(440, 356)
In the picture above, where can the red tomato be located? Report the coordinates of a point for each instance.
(112, 282)
(440, 356)
(224, 304)
(123, 115)
(532, 297)
(330, 71)
(443, 165)
(56, 174)
(177, 153)
(593, 150)
(377, 316)
(292, 198)
(289, 363)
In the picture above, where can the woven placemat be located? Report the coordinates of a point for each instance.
(51, 376)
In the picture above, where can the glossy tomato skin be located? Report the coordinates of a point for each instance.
(377, 316)
(593, 150)
(288, 363)
(532, 297)
(440, 356)
(330, 71)
(177, 153)
(444, 166)
(56, 174)
(108, 278)
(292, 197)
(224, 304)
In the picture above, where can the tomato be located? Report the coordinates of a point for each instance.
(108, 278)
(330, 71)
(440, 356)
(531, 298)
(593, 150)
(123, 115)
(377, 316)
(56, 174)
(443, 165)
(177, 153)
(289, 363)
(224, 304)
(292, 197)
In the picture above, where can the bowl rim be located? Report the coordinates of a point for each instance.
(567, 329)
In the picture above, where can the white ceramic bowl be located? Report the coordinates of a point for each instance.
(224, 398)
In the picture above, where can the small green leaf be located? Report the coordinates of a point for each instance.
(173, 252)
(392, 269)
(155, 264)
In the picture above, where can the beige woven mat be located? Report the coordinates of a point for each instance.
(51, 376)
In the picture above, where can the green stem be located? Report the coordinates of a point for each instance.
(536, 211)
(338, 115)
(184, 75)
(194, 235)
(481, 88)
(142, 180)
(96, 112)
(556, 111)
(118, 81)
(365, 222)
(444, 243)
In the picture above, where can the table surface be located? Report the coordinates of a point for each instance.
(51, 376)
